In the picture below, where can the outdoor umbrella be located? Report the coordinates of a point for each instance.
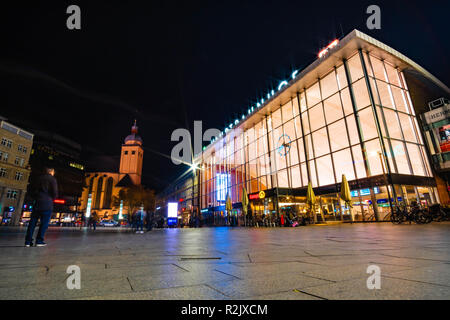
(311, 199)
(345, 193)
(244, 203)
(228, 206)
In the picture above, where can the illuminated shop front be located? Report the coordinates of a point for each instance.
(349, 112)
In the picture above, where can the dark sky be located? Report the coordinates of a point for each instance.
(168, 64)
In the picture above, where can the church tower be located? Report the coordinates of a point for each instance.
(132, 156)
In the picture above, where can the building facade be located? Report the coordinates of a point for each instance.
(348, 113)
(101, 187)
(51, 150)
(15, 149)
(436, 127)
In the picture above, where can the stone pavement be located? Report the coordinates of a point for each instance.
(327, 262)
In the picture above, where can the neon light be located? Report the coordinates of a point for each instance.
(121, 210)
(282, 84)
(328, 47)
(88, 206)
(294, 74)
(59, 201)
(222, 182)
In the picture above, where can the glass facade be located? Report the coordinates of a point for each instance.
(356, 120)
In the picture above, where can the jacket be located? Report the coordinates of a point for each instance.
(46, 191)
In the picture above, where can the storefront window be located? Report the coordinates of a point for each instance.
(373, 148)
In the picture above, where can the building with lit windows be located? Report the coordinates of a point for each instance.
(349, 112)
(51, 150)
(101, 186)
(15, 149)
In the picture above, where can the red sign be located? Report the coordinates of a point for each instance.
(59, 201)
(253, 196)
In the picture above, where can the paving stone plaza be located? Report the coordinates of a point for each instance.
(314, 262)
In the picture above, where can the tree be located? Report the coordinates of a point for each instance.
(134, 197)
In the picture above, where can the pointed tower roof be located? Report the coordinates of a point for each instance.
(133, 138)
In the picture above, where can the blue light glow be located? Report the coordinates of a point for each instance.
(294, 74)
(282, 84)
(222, 183)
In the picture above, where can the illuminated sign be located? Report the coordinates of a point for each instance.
(59, 201)
(222, 183)
(204, 210)
(88, 206)
(365, 192)
(76, 165)
(328, 47)
(172, 210)
(262, 194)
(253, 196)
(121, 210)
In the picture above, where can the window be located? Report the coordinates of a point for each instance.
(316, 118)
(400, 157)
(414, 154)
(392, 123)
(3, 173)
(5, 157)
(133, 152)
(6, 142)
(407, 127)
(385, 94)
(126, 152)
(329, 85)
(333, 109)
(11, 194)
(296, 179)
(320, 141)
(341, 78)
(313, 95)
(346, 101)
(354, 65)
(19, 161)
(287, 111)
(361, 94)
(373, 148)
(22, 148)
(338, 135)
(343, 164)
(352, 129)
(18, 176)
(378, 68)
(325, 170)
(368, 126)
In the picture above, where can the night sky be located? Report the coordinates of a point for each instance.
(167, 64)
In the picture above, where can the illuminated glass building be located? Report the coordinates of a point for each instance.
(349, 112)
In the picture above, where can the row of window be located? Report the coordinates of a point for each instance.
(18, 175)
(8, 144)
(327, 131)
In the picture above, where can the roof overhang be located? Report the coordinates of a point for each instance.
(346, 48)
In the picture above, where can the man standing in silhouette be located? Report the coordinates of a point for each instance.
(46, 191)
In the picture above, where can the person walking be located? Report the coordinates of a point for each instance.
(149, 220)
(94, 218)
(140, 221)
(45, 192)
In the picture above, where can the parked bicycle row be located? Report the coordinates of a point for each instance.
(418, 214)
